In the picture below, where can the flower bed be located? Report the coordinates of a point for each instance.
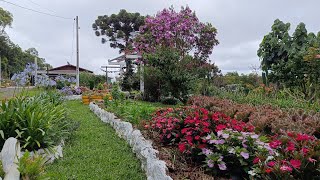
(229, 147)
(265, 118)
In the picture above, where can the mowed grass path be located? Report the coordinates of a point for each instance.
(94, 151)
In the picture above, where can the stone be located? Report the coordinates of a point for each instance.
(9, 156)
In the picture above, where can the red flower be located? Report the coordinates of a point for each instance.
(290, 147)
(197, 137)
(189, 139)
(269, 170)
(275, 144)
(201, 146)
(220, 127)
(305, 151)
(271, 163)
(290, 134)
(256, 160)
(303, 137)
(295, 163)
(182, 147)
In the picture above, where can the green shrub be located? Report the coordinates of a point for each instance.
(170, 101)
(32, 168)
(36, 121)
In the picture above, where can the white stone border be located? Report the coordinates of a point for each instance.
(73, 97)
(155, 169)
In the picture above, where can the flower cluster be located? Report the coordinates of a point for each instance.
(230, 149)
(67, 90)
(297, 156)
(44, 81)
(24, 78)
(187, 127)
(181, 30)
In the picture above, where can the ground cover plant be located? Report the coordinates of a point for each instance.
(94, 151)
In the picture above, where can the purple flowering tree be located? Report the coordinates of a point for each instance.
(179, 30)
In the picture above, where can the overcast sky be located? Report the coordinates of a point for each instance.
(241, 26)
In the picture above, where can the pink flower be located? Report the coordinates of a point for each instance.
(295, 163)
(285, 168)
(305, 151)
(275, 144)
(312, 160)
(256, 160)
(271, 163)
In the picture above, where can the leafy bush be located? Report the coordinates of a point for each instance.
(170, 101)
(32, 168)
(36, 122)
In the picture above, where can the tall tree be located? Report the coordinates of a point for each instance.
(284, 56)
(119, 29)
(176, 45)
(5, 19)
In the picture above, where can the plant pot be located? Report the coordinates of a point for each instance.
(85, 97)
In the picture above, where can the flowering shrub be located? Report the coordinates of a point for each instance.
(70, 90)
(187, 127)
(297, 157)
(24, 78)
(64, 81)
(231, 149)
(180, 30)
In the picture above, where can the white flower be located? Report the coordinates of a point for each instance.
(269, 158)
(252, 173)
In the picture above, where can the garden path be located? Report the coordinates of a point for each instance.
(94, 151)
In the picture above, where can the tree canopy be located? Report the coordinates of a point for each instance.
(289, 60)
(13, 58)
(118, 29)
(179, 30)
(5, 19)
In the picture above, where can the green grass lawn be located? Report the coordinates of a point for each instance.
(94, 151)
(134, 111)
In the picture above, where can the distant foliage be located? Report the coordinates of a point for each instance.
(291, 60)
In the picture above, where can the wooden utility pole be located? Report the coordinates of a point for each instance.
(36, 70)
(77, 39)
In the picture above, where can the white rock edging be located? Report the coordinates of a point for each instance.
(9, 156)
(155, 169)
(72, 97)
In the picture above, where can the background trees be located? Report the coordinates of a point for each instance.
(290, 60)
(13, 58)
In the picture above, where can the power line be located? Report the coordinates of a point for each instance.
(48, 14)
(40, 6)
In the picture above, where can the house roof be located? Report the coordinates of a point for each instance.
(69, 67)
